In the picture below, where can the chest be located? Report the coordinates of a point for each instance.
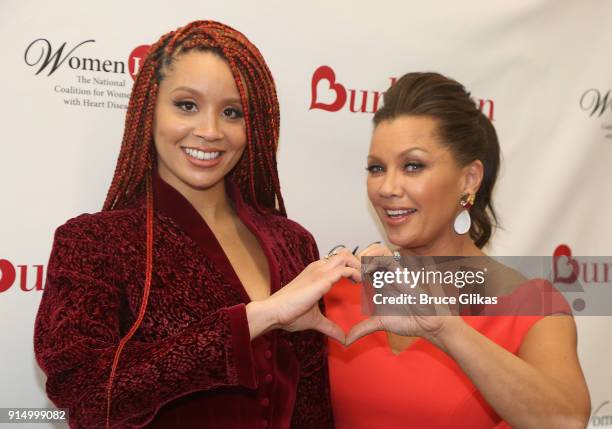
(191, 279)
(247, 256)
(420, 387)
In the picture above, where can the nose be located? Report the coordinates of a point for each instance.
(391, 185)
(208, 127)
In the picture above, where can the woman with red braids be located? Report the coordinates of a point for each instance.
(191, 300)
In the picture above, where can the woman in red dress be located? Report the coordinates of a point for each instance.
(191, 300)
(432, 166)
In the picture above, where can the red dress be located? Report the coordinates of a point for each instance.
(422, 387)
(191, 363)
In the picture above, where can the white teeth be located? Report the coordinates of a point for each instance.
(399, 212)
(200, 154)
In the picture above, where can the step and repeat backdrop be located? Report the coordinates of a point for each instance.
(541, 70)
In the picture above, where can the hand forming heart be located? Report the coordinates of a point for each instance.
(295, 307)
(424, 321)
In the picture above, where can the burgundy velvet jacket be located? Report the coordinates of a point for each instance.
(191, 363)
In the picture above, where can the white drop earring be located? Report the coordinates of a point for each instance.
(463, 221)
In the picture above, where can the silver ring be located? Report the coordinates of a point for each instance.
(397, 256)
(334, 250)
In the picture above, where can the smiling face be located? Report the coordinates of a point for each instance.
(199, 128)
(415, 184)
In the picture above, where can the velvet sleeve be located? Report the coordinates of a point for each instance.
(78, 328)
(313, 401)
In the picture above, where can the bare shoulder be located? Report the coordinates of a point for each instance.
(552, 333)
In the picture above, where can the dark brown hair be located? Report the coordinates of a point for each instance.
(462, 127)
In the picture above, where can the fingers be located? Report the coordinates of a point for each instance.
(375, 249)
(337, 273)
(343, 257)
(381, 264)
(329, 328)
(349, 273)
(362, 329)
(353, 274)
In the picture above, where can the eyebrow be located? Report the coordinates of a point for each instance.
(404, 153)
(413, 149)
(197, 93)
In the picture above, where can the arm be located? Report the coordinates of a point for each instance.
(78, 329)
(542, 387)
(545, 377)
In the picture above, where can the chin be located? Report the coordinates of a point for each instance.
(401, 240)
(202, 185)
(198, 182)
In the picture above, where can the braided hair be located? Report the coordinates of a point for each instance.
(255, 174)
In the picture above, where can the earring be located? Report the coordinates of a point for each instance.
(463, 221)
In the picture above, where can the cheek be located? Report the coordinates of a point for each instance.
(371, 187)
(169, 130)
(439, 197)
(428, 193)
(237, 137)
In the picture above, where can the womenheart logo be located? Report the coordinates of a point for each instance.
(136, 59)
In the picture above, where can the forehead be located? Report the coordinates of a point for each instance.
(407, 130)
(203, 71)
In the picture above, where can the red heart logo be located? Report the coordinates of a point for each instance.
(136, 59)
(565, 268)
(326, 72)
(7, 275)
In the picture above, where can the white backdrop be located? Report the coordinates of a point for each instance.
(544, 66)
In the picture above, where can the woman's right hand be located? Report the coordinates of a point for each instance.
(295, 307)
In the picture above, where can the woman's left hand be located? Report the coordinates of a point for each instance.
(419, 323)
(432, 328)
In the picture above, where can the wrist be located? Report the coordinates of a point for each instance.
(259, 318)
(452, 328)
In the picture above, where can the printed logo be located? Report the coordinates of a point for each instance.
(567, 269)
(327, 73)
(328, 94)
(136, 58)
(9, 276)
(596, 103)
(51, 60)
(98, 84)
(599, 418)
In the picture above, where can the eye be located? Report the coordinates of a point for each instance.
(186, 106)
(375, 168)
(233, 113)
(413, 166)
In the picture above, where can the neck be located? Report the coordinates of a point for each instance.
(213, 203)
(449, 245)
